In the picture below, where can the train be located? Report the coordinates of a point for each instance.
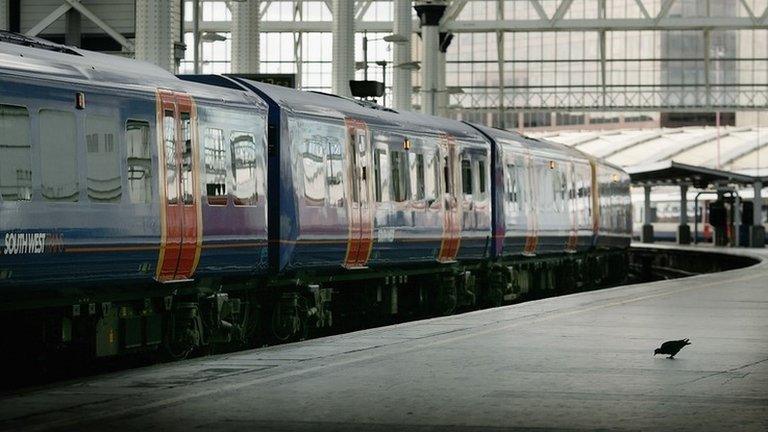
(143, 211)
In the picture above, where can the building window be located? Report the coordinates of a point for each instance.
(466, 176)
(15, 148)
(58, 155)
(243, 159)
(215, 167)
(139, 162)
(104, 182)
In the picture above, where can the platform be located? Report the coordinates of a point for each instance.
(578, 362)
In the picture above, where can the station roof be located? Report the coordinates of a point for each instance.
(671, 173)
(670, 155)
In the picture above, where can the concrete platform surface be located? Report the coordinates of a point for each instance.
(579, 362)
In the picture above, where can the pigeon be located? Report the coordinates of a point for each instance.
(671, 348)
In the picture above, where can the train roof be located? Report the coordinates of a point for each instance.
(26, 56)
(314, 103)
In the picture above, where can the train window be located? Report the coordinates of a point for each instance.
(104, 182)
(58, 154)
(243, 159)
(169, 146)
(215, 167)
(481, 177)
(398, 175)
(313, 159)
(15, 148)
(139, 162)
(420, 184)
(187, 184)
(334, 163)
(466, 176)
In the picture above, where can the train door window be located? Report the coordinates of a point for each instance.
(466, 176)
(215, 167)
(169, 147)
(447, 184)
(15, 149)
(481, 186)
(243, 154)
(103, 182)
(377, 158)
(398, 176)
(511, 175)
(420, 183)
(187, 185)
(431, 176)
(139, 162)
(334, 163)
(58, 155)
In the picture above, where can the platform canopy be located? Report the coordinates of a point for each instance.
(674, 173)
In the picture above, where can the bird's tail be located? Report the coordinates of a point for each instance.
(687, 342)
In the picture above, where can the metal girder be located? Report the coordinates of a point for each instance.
(609, 24)
(539, 10)
(664, 10)
(454, 9)
(643, 10)
(75, 4)
(362, 8)
(764, 16)
(48, 20)
(562, 10)
(748, 9)
(114, 34)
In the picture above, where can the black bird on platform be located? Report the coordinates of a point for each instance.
(671, 348)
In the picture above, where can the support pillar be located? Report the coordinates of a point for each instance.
(683, 230)
(73, 28)
(442, 89)
(757, 230)
(402, 86)
(647, 234)
(343, 68)
(429, 16)
(736, 234)
(154, 32)
(245, 37)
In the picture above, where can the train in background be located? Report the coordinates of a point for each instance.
(141, 210)
(665, 216)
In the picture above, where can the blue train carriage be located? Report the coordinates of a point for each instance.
(116, 180)
(365, 188)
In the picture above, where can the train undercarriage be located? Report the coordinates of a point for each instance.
(214, 315)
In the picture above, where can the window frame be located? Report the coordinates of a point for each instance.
(30, 171)
(149, 180)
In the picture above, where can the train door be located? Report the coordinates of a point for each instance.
(180, 213)
(449, 246)
(360, 215)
